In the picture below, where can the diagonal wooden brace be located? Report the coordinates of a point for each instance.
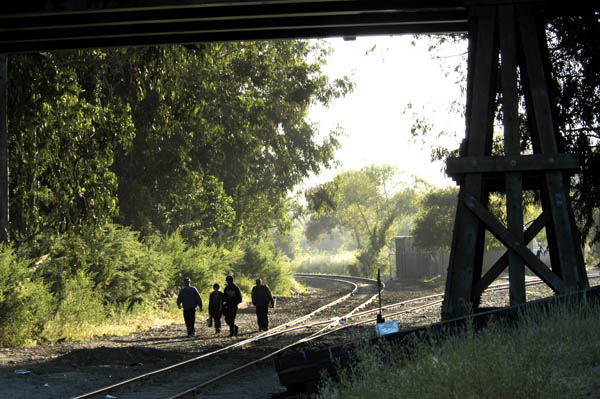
(502, 263)
(506, 238)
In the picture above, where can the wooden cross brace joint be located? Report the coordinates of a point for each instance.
(501, 264)
(513, 244)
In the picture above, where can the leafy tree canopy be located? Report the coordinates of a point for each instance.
(575, 61)
(368, 202)
(206, 140)
(433, 222)
(62, 142)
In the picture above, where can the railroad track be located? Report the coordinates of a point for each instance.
(359, 293)
(339, 314)
(436, 299)
(415, 304)
(302, 372)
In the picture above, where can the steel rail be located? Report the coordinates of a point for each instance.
(153, 374)
(333, 325)
(349, 315)
(339, 320)
(491, 288)
(341, 299)
(198, 388)
(191, 392)
(497, 287)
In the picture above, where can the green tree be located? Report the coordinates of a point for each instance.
(318, 225)
(368, 203)
(206, 140)
(163, 185)
(575, 62)
(232, 112)
(62, 140)
(434, 221)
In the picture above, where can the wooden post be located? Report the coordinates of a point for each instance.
(562, 232)
(466, 254)
(512, 147)
(514, 31)
(3, 149)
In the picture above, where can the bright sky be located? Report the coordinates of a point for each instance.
(377, 129)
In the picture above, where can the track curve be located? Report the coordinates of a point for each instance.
(351, 294)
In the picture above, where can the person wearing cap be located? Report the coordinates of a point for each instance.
(261, 299)
(189, 298)
(232, 297)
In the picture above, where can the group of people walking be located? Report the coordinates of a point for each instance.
(224, 303)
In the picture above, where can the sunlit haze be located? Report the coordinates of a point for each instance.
(390, 73)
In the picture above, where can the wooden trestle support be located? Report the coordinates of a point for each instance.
(508, 41)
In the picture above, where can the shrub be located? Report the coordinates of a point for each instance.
(123, 269)
(205, 264)
(80, 308)
(82, 283)
(25, 301)
(262, 260)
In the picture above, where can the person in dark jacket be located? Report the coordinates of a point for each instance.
(189, 298)
(261, 299)
(215, 307)
(232, 297)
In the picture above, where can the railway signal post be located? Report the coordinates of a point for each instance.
(380, 318)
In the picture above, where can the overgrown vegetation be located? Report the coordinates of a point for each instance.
(133, 167)
(85, 283)
(552, 354)
(206, 140)
(371, 203)
(326, 262)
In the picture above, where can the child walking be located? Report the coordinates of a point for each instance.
(215, 307)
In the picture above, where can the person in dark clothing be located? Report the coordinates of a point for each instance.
(232, 297)
(262, 298)
(189, 298)
(215, 307)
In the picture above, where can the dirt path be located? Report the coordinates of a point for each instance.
(70, 369)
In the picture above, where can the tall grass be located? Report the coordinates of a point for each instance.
(553, 354)
(326, 263)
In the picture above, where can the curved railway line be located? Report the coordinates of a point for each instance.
(360, 292)
(355, 307)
